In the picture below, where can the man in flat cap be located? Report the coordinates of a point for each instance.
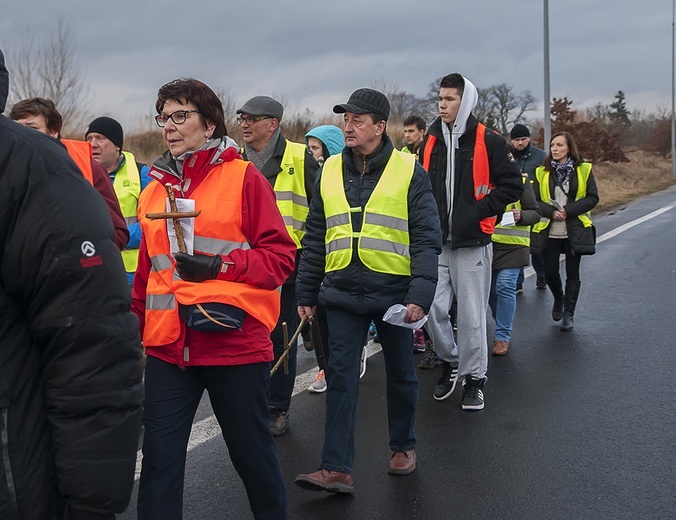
(291, 170)
(128, 177)
(372, 241)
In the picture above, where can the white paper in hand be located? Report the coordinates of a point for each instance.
(396, 314)
(187, 225)
(507, 219)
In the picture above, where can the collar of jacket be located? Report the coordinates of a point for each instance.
(165, 164)
(374, 163)
(436, 131)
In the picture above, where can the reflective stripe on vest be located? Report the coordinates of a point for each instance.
(127, 186)
(218, 230)
(383, 243)
(515, 235)
(290, 190)
(542, 176)
(481, 173)
(81, 153)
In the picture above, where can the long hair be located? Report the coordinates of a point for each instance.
(572, 150)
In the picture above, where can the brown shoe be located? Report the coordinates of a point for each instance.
(500, 348)
(326, 480)
(402, 463)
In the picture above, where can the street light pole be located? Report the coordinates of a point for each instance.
(673, 90)
(548, 115)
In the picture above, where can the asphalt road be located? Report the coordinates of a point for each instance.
(578, 425)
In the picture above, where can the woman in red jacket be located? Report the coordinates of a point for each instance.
(206, 314)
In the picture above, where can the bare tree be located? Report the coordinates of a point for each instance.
(508, 107)
(49, 68)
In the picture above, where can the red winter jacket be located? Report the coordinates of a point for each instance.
(267, 264)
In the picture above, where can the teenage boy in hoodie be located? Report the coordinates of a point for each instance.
(474, 177)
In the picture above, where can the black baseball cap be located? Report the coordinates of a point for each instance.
(366, 101)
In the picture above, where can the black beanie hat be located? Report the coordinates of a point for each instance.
(519, 131)
(107, 127)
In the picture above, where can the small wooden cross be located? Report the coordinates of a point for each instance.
(175, 217)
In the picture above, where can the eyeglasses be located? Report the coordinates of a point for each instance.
(250, 120)
(179, 117)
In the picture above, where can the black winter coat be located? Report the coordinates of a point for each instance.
(70, 356)
(529, 160)
(467, 211)
(357, 288)
(582, 239)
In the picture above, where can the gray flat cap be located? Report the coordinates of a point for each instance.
(262, 106)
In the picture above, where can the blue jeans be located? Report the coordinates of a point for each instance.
(347, 335)
(503, 301)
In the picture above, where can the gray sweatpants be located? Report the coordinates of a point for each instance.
(465, 272)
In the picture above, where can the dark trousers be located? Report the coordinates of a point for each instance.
(347, 335)
(239, 398)
(538, 264)
(556, 246)
(281, 384)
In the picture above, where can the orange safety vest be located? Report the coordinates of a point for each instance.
(480, 171)
(218, 230)
(81, 153)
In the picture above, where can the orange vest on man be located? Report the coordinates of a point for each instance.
(480, 171)
(81, 153)
(217, 230)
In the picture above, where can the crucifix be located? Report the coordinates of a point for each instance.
(175, 217)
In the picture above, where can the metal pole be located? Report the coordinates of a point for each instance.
(673, 89)
(548, 115)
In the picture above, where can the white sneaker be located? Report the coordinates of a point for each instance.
(364, 355)
(319, 386)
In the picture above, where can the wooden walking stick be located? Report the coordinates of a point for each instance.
(175, 217)
(285, 355)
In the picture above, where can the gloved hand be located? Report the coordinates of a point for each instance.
(197, 267)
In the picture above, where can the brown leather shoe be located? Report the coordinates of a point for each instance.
(326, 480)
(402, 463)
(500, 348)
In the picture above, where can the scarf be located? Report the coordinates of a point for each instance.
(260, 159)
(563, 171)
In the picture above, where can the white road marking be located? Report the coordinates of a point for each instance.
(208, 428)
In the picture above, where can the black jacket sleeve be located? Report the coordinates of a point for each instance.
(505, 177)
(313, 254)
(425, 235)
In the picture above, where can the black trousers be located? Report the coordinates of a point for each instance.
(556, 246)
(281, 384)
(239, 398)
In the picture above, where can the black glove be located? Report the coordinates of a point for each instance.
(197, 268)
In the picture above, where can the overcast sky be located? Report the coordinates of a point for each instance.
(314, 54)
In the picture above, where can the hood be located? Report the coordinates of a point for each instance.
(213, 151)
(4, 83)
(470, 97)
(330, 135)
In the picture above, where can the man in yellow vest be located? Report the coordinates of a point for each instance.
(511, 248)
(291, 170)
(372, 242)
(128, 177)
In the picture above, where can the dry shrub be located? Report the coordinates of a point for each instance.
(619, 183)
(145, 146)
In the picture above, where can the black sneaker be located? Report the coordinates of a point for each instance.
(541, 283)
(473, 394)
(430, 360)
(447, 381)
(519, 288)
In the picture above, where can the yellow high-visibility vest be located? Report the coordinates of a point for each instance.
(383, 243)
(290, 191)
(515, 235)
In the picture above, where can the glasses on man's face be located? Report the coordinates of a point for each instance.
(179, 117)
(250, 120)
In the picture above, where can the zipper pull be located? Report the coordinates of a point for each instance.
(186, 354)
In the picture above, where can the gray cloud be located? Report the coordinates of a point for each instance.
(313, 55)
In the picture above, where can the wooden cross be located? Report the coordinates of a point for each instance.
(175, 217)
